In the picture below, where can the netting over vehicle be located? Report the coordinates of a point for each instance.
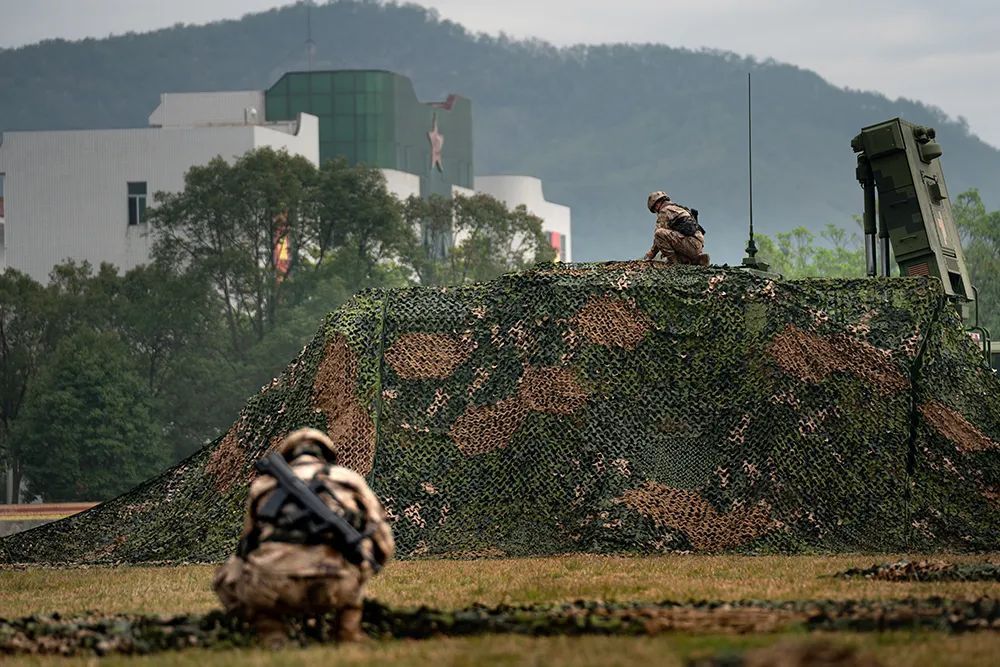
(612, 407)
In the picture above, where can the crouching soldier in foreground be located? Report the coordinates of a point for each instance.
(678, 238)
(314, 533)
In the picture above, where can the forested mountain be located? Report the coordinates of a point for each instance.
(602, 125)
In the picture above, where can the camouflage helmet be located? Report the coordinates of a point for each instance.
(308, 441)
(655, 198)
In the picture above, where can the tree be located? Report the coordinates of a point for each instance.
(171, 324)
(224, 226)
(357, 224)
(796, 254)
(247, 260)
(24, 331)
(231, 222)
(87, 430)
(980, 233)
(160, 313)
(435, 218)
(469, 239)
(80, 297)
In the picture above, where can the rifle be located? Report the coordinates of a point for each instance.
(320, 518)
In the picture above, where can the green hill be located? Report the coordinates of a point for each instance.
(602, 125)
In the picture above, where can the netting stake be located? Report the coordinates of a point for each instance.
(911, 445)
(379, 379)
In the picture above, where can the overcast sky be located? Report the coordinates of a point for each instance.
(945, 52)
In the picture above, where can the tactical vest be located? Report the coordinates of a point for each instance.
(295, 524)
(308, 512)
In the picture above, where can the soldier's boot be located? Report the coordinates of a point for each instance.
(349, 622)
(271, 631)
(701, 260)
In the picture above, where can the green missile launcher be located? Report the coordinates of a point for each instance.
(900, 162)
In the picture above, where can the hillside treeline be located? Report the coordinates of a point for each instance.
(601, 125)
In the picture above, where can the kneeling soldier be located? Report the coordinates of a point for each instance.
(678, 238)
(314, 533)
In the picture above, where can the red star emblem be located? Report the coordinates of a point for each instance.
(437, 141)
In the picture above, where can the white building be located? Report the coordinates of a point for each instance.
(512, 190)
(83, 194)
(527, 190)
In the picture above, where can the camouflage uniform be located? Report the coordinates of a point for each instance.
(678, 238)
(278, 574)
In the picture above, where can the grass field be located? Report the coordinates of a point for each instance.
(451, 584)
(892, 650)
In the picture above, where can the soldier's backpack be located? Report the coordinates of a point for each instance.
(694, 214)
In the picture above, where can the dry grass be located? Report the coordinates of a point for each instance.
(458, 583)
(453, 583)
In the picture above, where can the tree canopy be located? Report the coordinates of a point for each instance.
(470, 239)
(87, 430)
(798, 253)
(980, 232)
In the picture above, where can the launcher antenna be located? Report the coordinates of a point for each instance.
(751, 261)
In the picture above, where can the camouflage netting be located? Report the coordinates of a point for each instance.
(925, 570)
(96, 634)
(624, 407)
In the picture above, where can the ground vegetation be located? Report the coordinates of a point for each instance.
(165, 607)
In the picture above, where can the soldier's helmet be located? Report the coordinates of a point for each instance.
(654, 199)
(308, 441)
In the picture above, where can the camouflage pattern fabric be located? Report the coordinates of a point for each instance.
(925, 570)
(675, 247)
(345, 490)
(670, 214)
(278, 578)
(623, 407)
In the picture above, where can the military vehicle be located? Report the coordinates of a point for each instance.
(907, 215)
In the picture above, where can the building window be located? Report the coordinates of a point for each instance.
(136, 203)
